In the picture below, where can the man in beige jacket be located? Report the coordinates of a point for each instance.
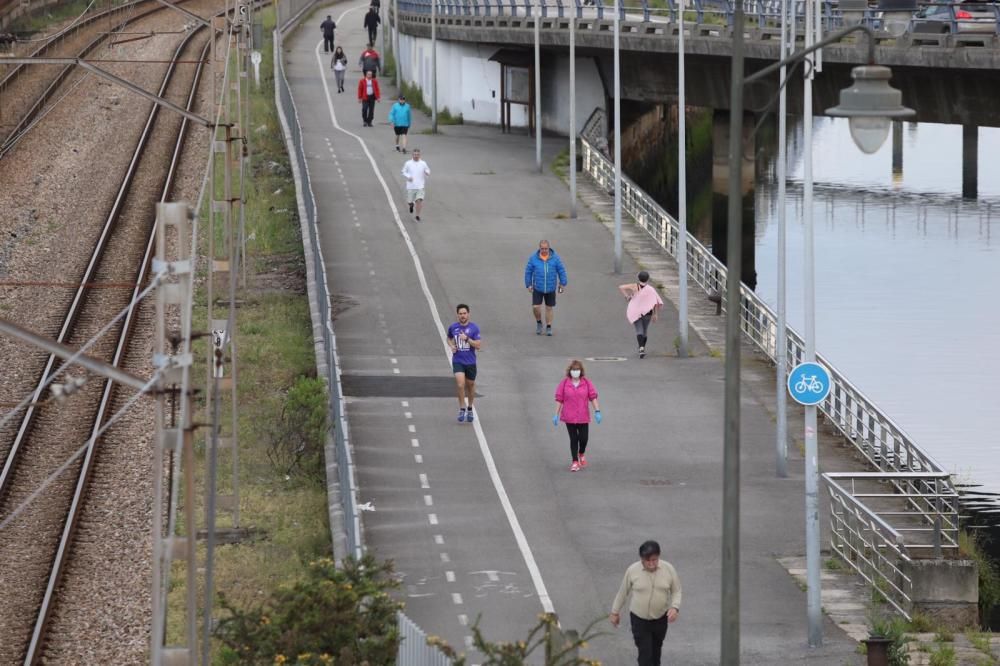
(656, 601)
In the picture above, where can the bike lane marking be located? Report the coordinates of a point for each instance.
(484, 447)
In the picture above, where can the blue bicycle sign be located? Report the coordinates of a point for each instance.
(809, 383)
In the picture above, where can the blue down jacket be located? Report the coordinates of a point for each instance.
(543, 275)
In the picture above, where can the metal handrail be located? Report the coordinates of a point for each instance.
(870, 546)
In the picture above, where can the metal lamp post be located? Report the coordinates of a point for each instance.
(434, 68)
(537, 15)
(618, 145)
(869, 98)
(572, 113)
(682, 303)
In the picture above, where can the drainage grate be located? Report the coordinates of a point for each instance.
(613, 359)
(397, 386)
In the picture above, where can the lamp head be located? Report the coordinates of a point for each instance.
(870, 104)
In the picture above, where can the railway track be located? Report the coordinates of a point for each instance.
(26, 93)
(49, 433)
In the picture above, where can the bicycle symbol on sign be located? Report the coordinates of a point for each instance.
(809, 383)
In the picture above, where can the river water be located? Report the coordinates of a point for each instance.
(907, 282)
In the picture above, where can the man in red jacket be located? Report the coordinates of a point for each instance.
(368, 94)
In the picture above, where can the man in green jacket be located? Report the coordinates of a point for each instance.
(656, 601)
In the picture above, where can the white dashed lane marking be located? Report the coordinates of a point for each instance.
(432, 517)
(417, 458)
(423, 481)
(438, 539)
(456, 598)
(428, 500)
(449, 576)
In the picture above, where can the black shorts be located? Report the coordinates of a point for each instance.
(469, 370)
(400, 131)
(549, 297)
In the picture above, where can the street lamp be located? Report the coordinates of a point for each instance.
(868, 99)
(870, 105)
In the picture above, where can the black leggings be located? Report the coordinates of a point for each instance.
(578, 433)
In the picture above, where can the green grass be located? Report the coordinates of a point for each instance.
(921, 623)
(989, 576)
(943, 635)
(415, 96)
(943, 655)
(42, 18)
(274, 336)
(979, 640)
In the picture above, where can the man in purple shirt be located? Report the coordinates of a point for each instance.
(463, 339)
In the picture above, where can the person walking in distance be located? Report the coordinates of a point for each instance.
(415, 170)
(328, 26)
(370, 60)
(463, 338)
(655, 589)
(339, 65)
(544, 275)
(372, 21)
(574, 395)
(368, 94)
(644, 303)
(399, 118)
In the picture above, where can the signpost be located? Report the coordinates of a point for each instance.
(255, 58)
(809, 383)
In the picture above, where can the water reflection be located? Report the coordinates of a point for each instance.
(907, 274)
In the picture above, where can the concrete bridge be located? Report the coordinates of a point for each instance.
(951, 80)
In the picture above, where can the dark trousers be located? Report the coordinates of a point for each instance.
(368, 109)
(372, 34)
(327, 43)
(578, 433)
(649, 635)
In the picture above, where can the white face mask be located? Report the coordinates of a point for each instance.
(575, 374)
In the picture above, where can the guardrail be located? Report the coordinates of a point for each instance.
(413, 647)
(879, 543)
(876, 437)
(322, 315)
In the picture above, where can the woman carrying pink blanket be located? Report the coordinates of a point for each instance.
(644, 303)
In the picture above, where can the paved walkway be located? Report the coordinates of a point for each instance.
(485, 519)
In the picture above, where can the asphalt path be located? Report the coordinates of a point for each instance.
(485, 520)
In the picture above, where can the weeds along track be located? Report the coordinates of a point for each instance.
(27, 90)
(38, 547)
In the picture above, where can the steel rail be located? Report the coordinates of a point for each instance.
(69, 321)
(37, 643)
(15, 134)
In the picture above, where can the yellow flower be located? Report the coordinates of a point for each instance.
(280, 659)
(265, 619)
(305, 656)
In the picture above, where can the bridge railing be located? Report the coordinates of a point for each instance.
(765, 14)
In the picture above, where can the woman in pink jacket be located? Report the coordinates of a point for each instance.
(572, 395)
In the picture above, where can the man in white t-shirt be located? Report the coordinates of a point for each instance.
(415, 170)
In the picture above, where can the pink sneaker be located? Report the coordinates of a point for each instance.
(583, 460)
(575, 467)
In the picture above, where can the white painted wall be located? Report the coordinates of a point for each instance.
(470, 84)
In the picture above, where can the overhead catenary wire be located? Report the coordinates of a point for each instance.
(154, 282)
(20, 508)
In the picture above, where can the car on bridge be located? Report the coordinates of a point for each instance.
(957, 18)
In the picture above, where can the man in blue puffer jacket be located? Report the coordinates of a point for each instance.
(543, 276)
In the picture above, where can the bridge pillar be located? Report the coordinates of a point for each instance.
(720, 189)
(970, 161)
(897, 151)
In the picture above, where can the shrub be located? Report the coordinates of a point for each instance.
(894, 629)
(298, 436)
(342, 616)
(558, 648)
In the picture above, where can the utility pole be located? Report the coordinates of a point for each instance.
(174, 437)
